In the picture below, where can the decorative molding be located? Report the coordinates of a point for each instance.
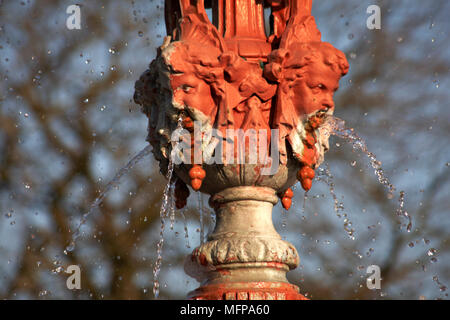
(246, 249)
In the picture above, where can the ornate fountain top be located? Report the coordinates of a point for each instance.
(227, 74)
(238, 25)
(225, 85)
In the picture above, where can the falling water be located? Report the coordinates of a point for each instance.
(162, 214)
(336, 126)
(172, 205)
(442, 287)
(186, 234)
(305, 197)
(324, 175)
(102, 195)
(167, 205)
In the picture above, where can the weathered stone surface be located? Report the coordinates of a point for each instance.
(229, 75)
(248, 249)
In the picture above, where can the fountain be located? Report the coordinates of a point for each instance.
(264, 100)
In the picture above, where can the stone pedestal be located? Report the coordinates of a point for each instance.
(212, 78)
(244, 258)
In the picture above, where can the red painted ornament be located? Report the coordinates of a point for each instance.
(305, 175)
(286, 199)
(197, 174)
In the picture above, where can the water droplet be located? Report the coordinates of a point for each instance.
(43, 293)
(411, 244)
(431, 252)
(399, 39)
(140, 33)
(436, 83)
(59, 269)
(353, 163)
(70, 247)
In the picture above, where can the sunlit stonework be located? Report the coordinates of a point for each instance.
(227, 74)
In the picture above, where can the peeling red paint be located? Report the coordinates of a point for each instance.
(253, 291)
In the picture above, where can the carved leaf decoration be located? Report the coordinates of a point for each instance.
(300, 29)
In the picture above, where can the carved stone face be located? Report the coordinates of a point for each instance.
(193, 71)
(314, 90)
(312, 94)
(194, 93)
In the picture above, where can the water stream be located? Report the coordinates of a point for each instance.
(167, 209)
(324, 175)
(124, 170)
(166, 203)
(336, 126)
(172, 204)
(332, 126)
(186, 233)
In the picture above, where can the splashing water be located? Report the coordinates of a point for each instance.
(167, 205)
(324, 175)
(144, 152)
(172, 205)
(442, 287)
(336, 126)
(162, 214)
(186, 233)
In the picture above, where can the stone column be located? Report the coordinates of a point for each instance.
(244, 258)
